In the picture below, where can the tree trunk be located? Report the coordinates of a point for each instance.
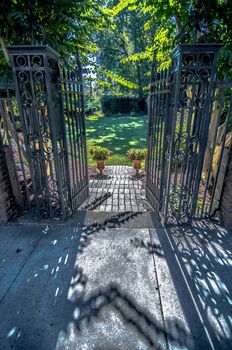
(212, 133)
(140, 89)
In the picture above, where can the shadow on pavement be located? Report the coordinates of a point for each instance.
(91, 308)
(139, 323)
(199, 259)
(48, 306)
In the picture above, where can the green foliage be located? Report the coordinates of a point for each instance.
(92, 104)
(122, 104)
(118, 69)
(100, 153)
(136, 154)
(5, 69)
(66, 25)
(117, 38)
(168, 19)
(114, 77)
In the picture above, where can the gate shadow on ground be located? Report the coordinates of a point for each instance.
(88, 308)
(152, 332)
(199, 258)
(39, 303)
(91, 205)
(152, 248)
(200, 261)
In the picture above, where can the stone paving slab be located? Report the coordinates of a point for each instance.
(117, 303)
(36, 306)
(194, 269)
(16, 247)
(117, 190)
(41, 307)
(171, 306)
(110, 219)
(125, 288)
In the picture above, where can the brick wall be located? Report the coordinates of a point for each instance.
(7, 203)
(226, 199)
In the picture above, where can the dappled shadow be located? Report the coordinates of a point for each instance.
(91, 205)
(117, 133)
(137, 176)
(200, 262)
(140, 323)
(100, 304)
(36, 306)
(97, 310)
(116, 191)
(152, 248)
(115, 221)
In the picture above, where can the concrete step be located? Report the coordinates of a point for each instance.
(111, 219)
(101, 220)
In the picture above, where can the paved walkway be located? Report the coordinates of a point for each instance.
(101, 288)
(118, 190)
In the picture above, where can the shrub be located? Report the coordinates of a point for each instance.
(136, 154)
(122, 104)
(92, 104)
(100, 153)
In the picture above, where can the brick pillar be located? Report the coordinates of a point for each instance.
(7, 202)
(226, 198)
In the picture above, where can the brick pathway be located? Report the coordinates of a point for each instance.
(118, 190)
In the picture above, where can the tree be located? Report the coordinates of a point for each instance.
(123, 38)
(187, 20)
(65, 25)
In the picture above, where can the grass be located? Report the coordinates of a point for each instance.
(118, 133)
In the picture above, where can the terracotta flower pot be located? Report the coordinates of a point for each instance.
(100, 166)
(137, 165)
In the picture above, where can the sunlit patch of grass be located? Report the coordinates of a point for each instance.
(95, 116)
(133, 143)
(118, 133)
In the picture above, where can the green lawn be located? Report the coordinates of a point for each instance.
(118, 133)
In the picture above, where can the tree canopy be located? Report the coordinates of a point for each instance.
(66, 25)
(117, 39)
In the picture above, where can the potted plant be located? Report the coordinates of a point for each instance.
(137, 155)
(100, 154)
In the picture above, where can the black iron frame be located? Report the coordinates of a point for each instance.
(51, 107)
(182, 100)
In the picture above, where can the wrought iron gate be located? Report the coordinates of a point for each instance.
(71, 88)
(43, 129)
(188, 137)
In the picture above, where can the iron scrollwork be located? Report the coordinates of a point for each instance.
(175, 161)
(37, 78)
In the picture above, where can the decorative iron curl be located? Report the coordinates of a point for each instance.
(21, 61)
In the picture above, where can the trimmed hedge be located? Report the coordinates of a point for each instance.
(123, 104)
